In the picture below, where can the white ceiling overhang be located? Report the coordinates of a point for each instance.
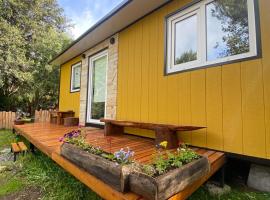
(125, 14)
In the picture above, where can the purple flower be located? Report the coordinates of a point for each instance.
(123, 156)
(70, 135)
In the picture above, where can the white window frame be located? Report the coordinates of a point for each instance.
(199, 9)
(79, 64)
(92, 59)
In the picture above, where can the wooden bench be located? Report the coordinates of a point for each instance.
(17, 148)
(163, 132)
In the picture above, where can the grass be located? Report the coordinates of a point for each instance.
(40, 171)
(10, 186)
(6, 137)
(237, 193)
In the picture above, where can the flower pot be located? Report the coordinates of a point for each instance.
(18, 122)
(168, 184)
(108, 171)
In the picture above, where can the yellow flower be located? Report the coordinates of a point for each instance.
(163, 144)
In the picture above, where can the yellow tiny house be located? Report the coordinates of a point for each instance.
(68, 99)
(227, 92)
(231, 100)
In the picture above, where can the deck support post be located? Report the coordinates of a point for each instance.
(32, 148)
(222, 176)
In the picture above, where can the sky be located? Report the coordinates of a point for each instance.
(85, 13)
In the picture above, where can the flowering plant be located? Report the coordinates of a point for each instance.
(166, 161)
(124, 157)
(68, 136)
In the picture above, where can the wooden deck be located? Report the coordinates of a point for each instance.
(46, 136)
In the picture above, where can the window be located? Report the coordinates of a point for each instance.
(209, 33)
(75, 77)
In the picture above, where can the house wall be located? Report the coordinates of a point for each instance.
(68, 100)
(232, 101)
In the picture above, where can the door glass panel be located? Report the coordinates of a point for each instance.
(98, 88)
(186, 40)
(227, 28)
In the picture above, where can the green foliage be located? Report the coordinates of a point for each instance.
(186, 155)
(32, 32)
(162, 163)
(233, 15)
(149, 170)
(186, 57)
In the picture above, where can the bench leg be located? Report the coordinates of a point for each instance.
(164, 134)
(111, 129)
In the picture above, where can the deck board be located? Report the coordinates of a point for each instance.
(46, 136)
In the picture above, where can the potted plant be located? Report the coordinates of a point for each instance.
(168, 174)
(112, 169)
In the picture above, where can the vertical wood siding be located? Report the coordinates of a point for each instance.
(233, 100)
(67, 100)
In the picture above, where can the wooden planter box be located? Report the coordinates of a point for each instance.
(109, 172)
(170, 183)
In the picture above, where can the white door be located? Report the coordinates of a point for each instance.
(97, 87)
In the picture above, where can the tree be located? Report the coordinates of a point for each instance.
(32, 32)
(233, 15)
(186, 57)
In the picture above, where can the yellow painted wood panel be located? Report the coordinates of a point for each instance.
(153, 72)
(68, 100)
(184, 101)
(214, 108)
(232, 108)
(145, 71)
(198, 109)
(137, 74)
(265, 34)
(131, 70)
(162, 80)
(233, 100)
(253, 109)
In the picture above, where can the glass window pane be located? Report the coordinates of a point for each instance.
(186, 40)
(227, 28)
(76, 77)
(98, 88)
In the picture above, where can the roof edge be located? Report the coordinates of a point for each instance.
(102, 20)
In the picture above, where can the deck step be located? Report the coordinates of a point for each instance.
(22, 146)
(15, 148)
